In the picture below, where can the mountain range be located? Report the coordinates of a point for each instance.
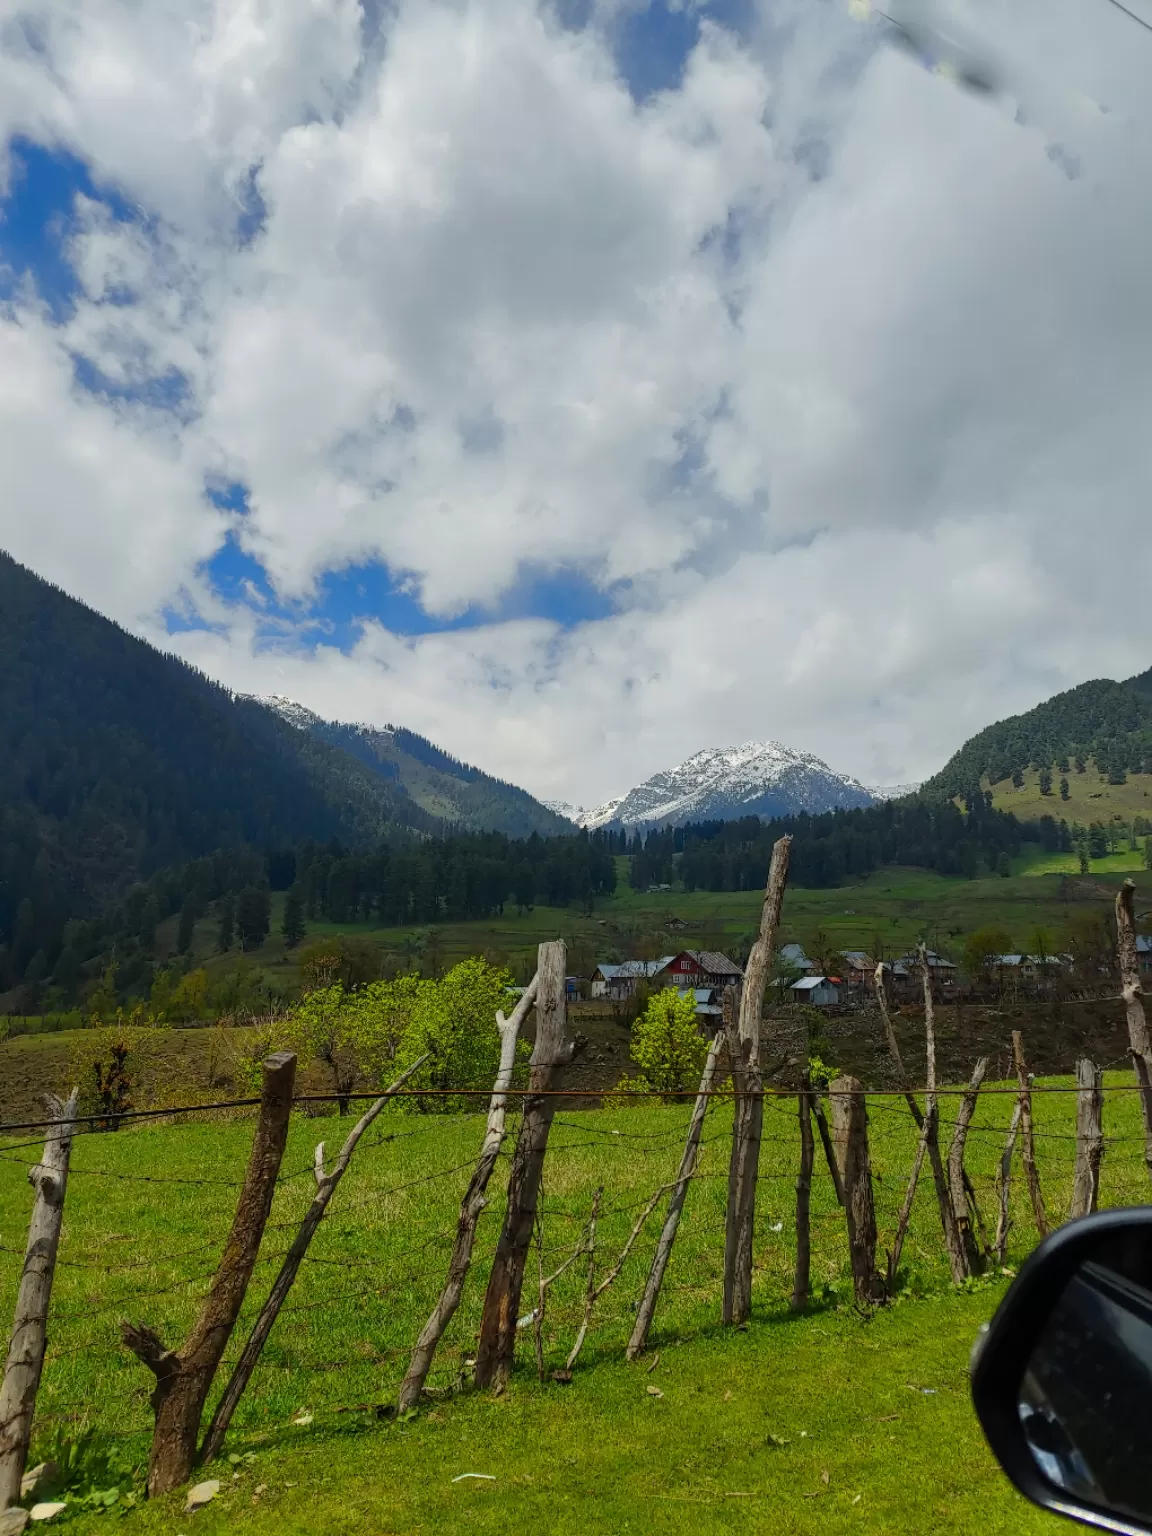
(758, 778)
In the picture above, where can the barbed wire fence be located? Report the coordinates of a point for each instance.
(375, 1269)
(150, 1208)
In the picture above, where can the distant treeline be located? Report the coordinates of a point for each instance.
(412, 880)
(828, 849)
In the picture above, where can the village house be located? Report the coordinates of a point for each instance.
(701, 968)
(818, 991)
(1029, 967)
(859, 970)
(620, 981)
(709, 1010)
(942, 970)
(793, 958)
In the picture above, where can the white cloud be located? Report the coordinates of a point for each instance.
(843, 369)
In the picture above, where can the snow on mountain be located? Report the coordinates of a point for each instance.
(891, 791)
(298, 715)
(759, 778)
(597, 816)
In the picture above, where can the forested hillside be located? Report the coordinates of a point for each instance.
(116, 761)
(1110, 723)
(447, 789)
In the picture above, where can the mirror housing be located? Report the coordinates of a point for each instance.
(1037, 1319)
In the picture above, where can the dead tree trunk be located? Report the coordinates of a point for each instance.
(902, 1081)
(1027, 1145)
(471, 1208)
(184, 1376)
(553, 1049)
(957, 1263)
(850, 1139)
(326, 1184)
(1089, 1138)
(802, 1283)
(963, 1196)
(647, 1308)
(1139, 1042)
(49, 1178)
(1003, 1186)
(748, 1122)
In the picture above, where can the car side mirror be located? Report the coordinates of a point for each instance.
(1062, 1378)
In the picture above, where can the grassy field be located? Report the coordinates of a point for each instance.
(892, 910)
(830, 1420)
(1090, 797)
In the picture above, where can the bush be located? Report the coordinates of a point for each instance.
(667, 1045)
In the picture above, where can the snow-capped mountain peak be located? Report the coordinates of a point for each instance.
(757, 778)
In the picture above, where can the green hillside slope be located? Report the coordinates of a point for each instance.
(116, 760)
(440, 784)
(1103, 724)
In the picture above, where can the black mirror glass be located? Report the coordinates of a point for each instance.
(1085, 1400)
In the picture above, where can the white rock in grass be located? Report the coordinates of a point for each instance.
(13, 1522)
(202, 1494)
(46, 1511)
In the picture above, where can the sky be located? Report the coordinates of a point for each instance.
(583, 383)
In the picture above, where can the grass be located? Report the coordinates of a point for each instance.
(892, 908)
(1090, 796)
(764, 1413)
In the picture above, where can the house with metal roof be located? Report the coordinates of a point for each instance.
(793, 958)
(621, 981)
(701, 968)
(818, 991)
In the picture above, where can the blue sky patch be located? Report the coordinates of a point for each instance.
(36, 219)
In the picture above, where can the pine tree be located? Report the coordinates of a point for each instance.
(253, 916)
(1065, 793)
(1045, 781)
(1017, 778)
(226, 936)
(292, 926)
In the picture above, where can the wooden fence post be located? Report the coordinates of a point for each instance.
(1027, 1146)
(1089, 1138)
(893, 1266)
(1139, 1042)
(801, 1283)
(748, 1121)
(963, 1197)
(326, 1184)
(647, 1308)
(553, 1049)
(471, 1207)
(184, 1376)
(49, 1178)
(957, 1262)
(1003, 1185)
(850, 1138)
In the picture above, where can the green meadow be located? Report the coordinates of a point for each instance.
(830, 1420)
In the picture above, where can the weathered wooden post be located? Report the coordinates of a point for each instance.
(647, 1308)
(1139, 1041)
(1027, 1146)
(1003, 1186)
(49, 1178)
(1089, 1138)
(471, 1207)
(326, 1184)
(553, 1050)
(850, 1139)
(748, 1121)
(801, 1283)
(958, 1186)
(184, 1376)
(957, 1262)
